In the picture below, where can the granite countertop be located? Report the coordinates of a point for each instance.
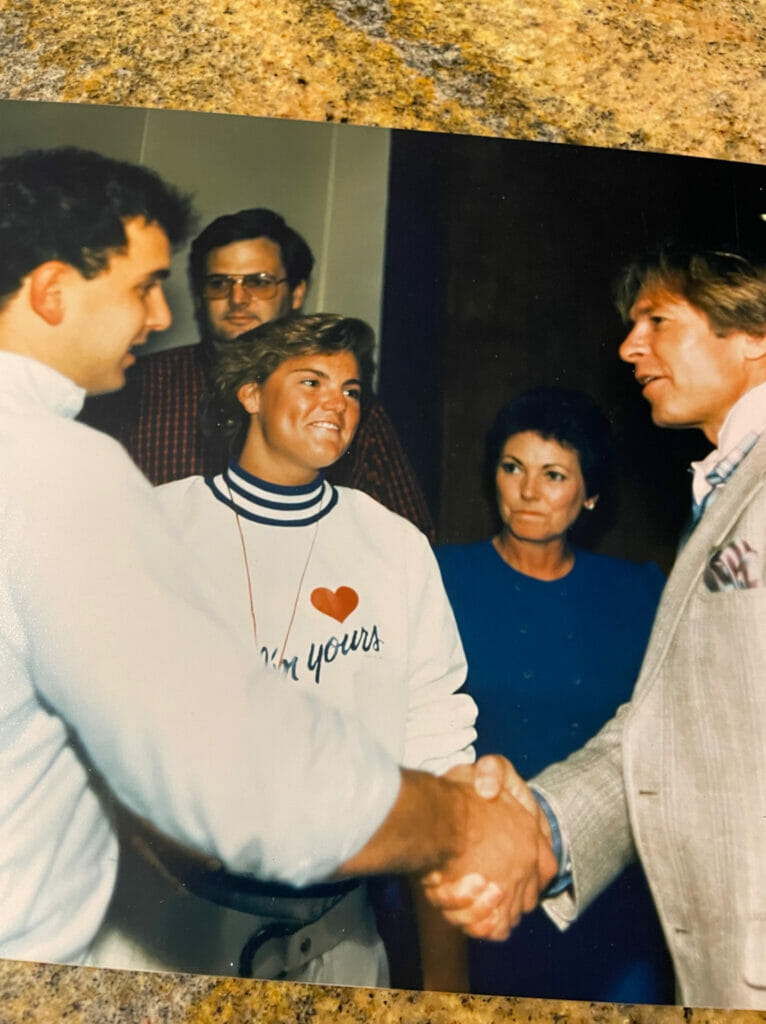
(47, 994)
(657, 75)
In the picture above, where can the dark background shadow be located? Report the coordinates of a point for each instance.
(499, 269)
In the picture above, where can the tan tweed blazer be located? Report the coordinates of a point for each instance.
(679, 775)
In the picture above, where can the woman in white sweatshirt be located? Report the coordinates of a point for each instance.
(337, 594)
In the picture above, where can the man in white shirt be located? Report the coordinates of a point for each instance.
(115, 670)
(678, 777)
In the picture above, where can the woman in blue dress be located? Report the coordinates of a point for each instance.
(554, 636)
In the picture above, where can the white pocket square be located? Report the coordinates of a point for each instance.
(736, 566)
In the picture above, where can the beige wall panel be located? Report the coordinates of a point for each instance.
(329, 181)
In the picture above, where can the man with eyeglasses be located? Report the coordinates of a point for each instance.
(245, 269)
(678, 777)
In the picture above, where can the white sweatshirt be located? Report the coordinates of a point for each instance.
(113, 657)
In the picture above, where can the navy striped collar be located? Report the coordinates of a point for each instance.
(272, 504)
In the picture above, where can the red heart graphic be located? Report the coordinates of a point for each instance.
(338, 604)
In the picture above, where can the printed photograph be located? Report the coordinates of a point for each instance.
(365, 448)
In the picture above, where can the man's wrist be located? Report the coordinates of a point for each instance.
(563, 878)
(427, 827)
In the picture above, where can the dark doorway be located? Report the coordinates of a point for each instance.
(500, 262)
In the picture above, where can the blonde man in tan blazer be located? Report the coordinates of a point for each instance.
(678, 777)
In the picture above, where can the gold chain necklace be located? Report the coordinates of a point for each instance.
(243, 545)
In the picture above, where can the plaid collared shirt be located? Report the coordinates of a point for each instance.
(720, 473)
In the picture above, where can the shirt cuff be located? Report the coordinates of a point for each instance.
(563, 879)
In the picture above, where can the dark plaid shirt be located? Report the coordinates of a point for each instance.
(155, 418)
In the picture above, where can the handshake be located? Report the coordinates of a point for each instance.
(504, 858)
(476, 838)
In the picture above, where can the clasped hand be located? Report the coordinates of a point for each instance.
(507, 858)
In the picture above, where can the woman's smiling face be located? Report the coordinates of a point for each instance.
(302, 418)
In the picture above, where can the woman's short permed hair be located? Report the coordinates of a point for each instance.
(256, 354)
(560, 414)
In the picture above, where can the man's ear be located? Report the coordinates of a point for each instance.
(45, 291)
(299, 294)
(249, 396)
(755, 346)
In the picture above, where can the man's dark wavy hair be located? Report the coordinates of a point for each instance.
(70, 204)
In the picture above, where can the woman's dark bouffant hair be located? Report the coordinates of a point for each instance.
(256, 354)
(569, 417)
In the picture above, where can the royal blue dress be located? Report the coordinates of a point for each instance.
(549, 662)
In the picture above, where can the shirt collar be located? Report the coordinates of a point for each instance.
(27, 379)
(273, 504)
(745, 421)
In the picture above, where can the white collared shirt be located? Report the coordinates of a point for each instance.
(746, 416)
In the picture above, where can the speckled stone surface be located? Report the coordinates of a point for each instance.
(663, 75)
(46, 994)
(645, 74)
